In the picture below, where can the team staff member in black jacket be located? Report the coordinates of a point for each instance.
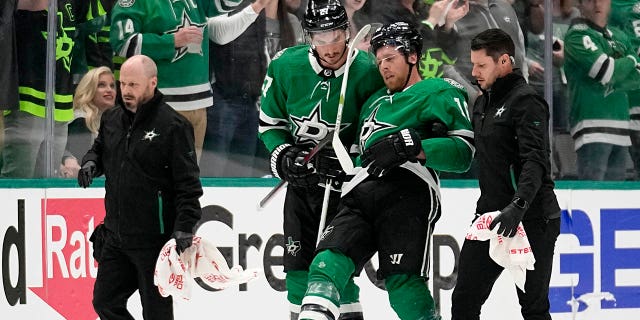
(146, 151)
(510, 124)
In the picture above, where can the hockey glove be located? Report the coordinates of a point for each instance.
(183, 240)
(328, 167)
(509, 219)
(391, 151)
(87, 173)
(290, 167)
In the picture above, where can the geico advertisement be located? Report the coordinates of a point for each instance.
(48, 270)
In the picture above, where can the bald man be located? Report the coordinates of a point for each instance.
(138, 81)
(145, 149)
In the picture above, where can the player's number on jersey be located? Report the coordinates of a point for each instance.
(128, 28)
(266, 85)
(636, 27)
(588, 43)
(462, 105)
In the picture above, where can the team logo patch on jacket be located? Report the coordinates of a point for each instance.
(293, 247)
(149, 135)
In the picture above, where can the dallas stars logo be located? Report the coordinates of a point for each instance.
(149, 135)
(500, 111)
(313, 128)
(186, 22)
(371, 126)
(293, 247)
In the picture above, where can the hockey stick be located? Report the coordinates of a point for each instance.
(325, 208)
(341, 152)
(338, 147)
(306, 160)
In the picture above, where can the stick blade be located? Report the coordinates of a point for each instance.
(343, 157)
(361, 35)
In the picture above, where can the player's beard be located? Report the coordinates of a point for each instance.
(335, 60)
(131, 102)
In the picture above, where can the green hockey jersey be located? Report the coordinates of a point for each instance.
(625, 15)
(600, 66)
(148, 26)
(442, 100)
(300, 98)
(31, 41)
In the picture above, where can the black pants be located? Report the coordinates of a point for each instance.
(120, 273)
(477, 273)
(302, 210)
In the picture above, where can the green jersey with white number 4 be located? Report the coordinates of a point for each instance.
(300, 98)
(601, 68)
(418, 107)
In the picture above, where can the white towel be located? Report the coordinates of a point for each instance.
(174, 273)
(513, 254)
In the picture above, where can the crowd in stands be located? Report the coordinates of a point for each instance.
(211, 69)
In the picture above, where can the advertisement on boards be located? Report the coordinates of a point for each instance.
(48, 270)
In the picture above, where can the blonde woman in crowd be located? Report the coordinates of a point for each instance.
(96, 92)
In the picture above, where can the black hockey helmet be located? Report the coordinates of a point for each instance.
(324, 15)
(398, 34)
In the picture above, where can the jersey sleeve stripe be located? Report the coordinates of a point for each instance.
(269, 123)
(132, 47)
(610, 67)
(267, 120)
(461, 133)
(599, 69)
(469, 143)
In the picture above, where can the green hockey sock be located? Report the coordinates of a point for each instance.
(351, 293)
(296, 282)
(332, 267)
(410, 297)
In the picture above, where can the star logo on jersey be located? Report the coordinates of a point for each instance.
(64, 42)
(313, 128)
(371, 126)
(499, 112)
(293, 247)
(186, 22)
(149, 135)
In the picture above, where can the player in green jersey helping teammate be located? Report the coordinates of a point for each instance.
(299, 105)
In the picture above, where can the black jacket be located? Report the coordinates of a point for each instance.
(152, 177)
(9, 64)
(240, 65)
(510, 125)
